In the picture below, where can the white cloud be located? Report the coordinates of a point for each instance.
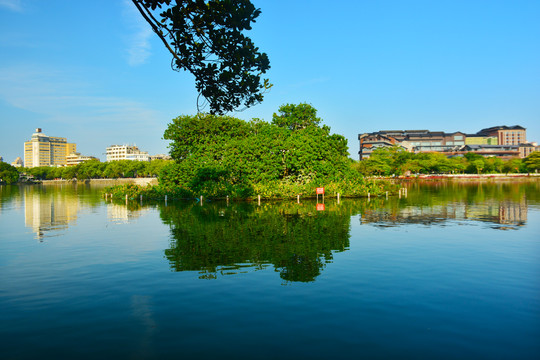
(140, 33)
(14, 5)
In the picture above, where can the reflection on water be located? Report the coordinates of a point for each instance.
(502, 215)
(122, 213)
(217, 239)
(100, 290)
(48, 211)
(298, 240)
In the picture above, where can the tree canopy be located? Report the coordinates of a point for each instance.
(8, 173)
(296, 117)
(532, 162)
(206, 38)
(213, 151)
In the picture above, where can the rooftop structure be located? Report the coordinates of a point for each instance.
(43, 150)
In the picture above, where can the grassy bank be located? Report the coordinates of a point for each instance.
(268, 191)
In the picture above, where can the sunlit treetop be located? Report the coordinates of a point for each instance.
(206, 38)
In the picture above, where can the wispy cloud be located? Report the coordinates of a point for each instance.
(13, 5)
(139, 35)
(59, 96)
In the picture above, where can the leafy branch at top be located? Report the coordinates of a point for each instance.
(206, 39)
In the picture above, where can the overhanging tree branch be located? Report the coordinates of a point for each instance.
(205, 38)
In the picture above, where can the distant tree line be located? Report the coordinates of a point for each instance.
(397, 161)
(91, 169)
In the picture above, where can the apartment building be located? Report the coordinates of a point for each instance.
(43, 150)
(77, 158)
(500, 141)
(506, 135)
(126, 152)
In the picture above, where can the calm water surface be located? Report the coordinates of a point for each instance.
(451, 271)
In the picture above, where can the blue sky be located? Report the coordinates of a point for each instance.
(92, 71)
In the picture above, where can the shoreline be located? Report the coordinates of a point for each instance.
(107, 182)
(460, 177)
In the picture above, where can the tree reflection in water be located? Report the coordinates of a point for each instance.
(298, 241)
(217, 239)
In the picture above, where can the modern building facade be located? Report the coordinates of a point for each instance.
(500, 141)
(126, 152)
(43, 150)
(506, 135)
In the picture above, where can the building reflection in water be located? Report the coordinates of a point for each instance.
(49, 210)
(503, 215)
(46, 212)
(122, 214)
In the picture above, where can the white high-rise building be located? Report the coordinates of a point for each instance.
(126, 152)
(43, 150)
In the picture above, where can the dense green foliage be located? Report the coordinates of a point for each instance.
(532, 162)
(97, 170)
(296, 117)
(396, 161)
(220, 156)
(206, 38)
(8, 173)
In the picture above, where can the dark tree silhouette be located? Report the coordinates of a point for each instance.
(206, 39)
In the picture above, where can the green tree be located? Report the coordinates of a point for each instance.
(478, 165)
(8, 173)
(532, 162)
(55, 173)
(296, 117)
(377, 166)
(240, 154)
(154, 167)
(459, 164)
(471, 156)
(91, 169)
(69, 172)
(206, 38)
(41, 172)
(512, 166)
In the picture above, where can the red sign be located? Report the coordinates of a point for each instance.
(320, 191)
(320, 207)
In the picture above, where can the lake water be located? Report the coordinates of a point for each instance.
(451, 271)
